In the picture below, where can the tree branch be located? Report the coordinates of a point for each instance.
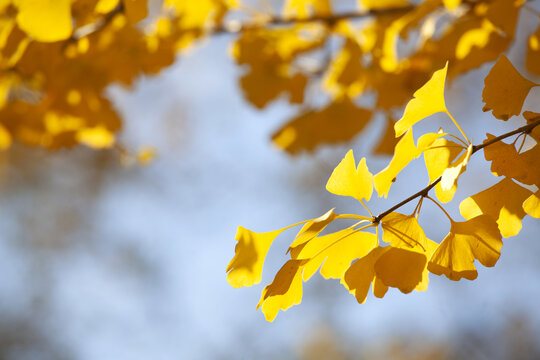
(524, 129)
(330, 19)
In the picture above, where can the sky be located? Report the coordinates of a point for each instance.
(102, 261)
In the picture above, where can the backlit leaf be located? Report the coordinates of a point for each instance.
(474, 239)
(532, 205)
(403, 231)
(503, 202)
(349, 180)
(505, 89)
(438, 157)
(284, 291)
(45, 20)
(451, 174)
(428, 100)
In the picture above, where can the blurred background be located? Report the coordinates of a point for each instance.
(105, 261)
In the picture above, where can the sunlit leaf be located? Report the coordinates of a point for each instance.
(450, 176)
(532, 205)
(340, 121)
(438, 158)
(403, 231)
(474, 239)
(428, 100)
(503, 202)
(45, 20)
(305, 8)
(335, 252)
(505, 89)
(284, 291)
(349, 180)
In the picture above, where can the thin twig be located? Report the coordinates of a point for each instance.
(524, 129)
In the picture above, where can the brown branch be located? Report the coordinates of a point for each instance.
(524, 129)
(329, 19)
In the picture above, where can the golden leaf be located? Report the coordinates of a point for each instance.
(477, 238)
(284, 291)
(428, 100)
(349, 180)
(533, 53)
(532, 205)
(305, 8)
(503, 202)
(335, 252)
(438, 157)
(45, 20)
(505, 89)
(338, 122)
(403, 231)
(451, 174)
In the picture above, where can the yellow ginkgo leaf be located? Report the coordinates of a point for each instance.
(5, 138)
(438, 158)
(428, 100)
(503, 202)
(245, 269)
(45, 20)
(451, 174)
(478, 238)
(532, 205)
(403, 231)
(506, 161)
(505, 89)
(404, 153)
(284, 291)
(305, 8)
(359, 276)
(313, 228)
(451, 4)
(349, 180)
(383, 4)
(335, 252)
(340, 121)
(400, 268)
(387, 266)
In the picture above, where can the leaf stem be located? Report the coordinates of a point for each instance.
(369, 211)
(440, 207)
(459, 127)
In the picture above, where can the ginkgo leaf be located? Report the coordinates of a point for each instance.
(438, 158)
(340, 121)
(503, 202)
(358, 278)
(532, 205)
(335, 252)
(451, 4)
(305, 8)
(400, 268)
(349, 180)
(451, 174)
(383, 4)
(245, 268)
(284, 291)
(404, 153)
(428, 100)
(403, 231)
(312, 228)
(505, 89)
(384, 267)
(346, 75)
(477, 238)
(45, 20)
(506, 161)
